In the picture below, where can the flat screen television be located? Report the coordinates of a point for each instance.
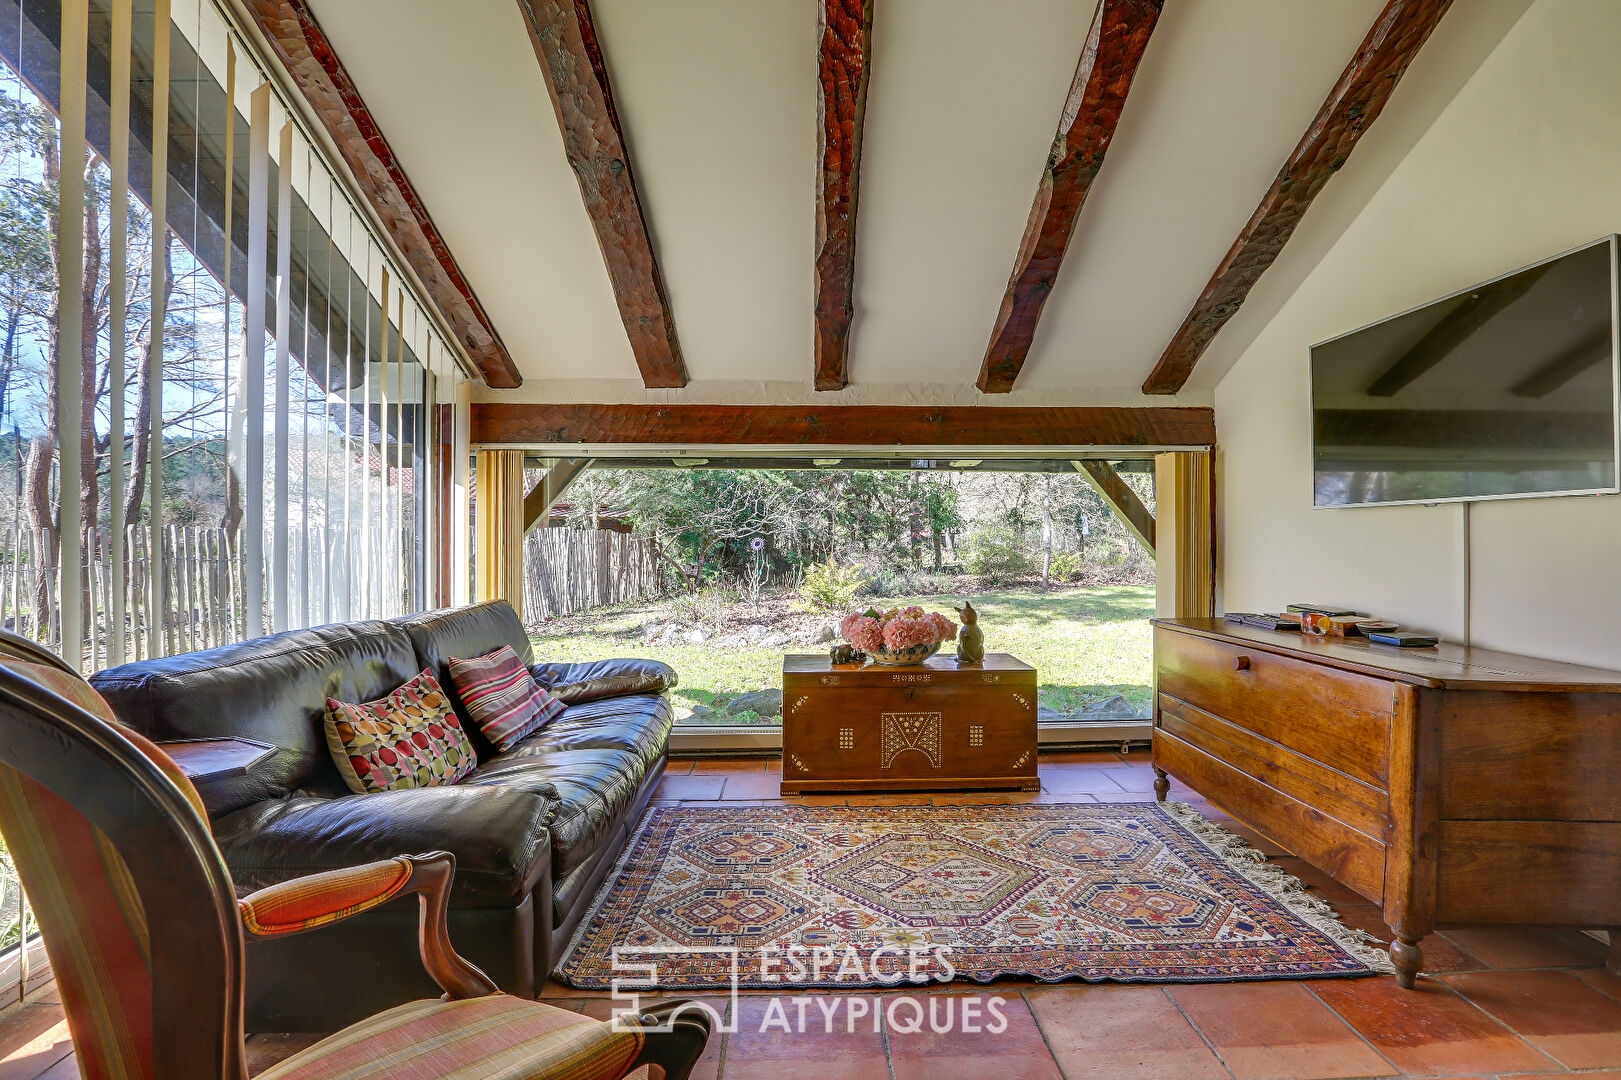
(1501, 391)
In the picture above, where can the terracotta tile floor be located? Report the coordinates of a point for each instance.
(1497, 1003)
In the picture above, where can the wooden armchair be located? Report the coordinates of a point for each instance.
(145, 933)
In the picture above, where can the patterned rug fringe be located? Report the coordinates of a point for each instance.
(1283, 887)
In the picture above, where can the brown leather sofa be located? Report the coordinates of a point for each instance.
(535, 831)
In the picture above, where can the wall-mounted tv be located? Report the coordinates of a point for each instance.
(1505, 390)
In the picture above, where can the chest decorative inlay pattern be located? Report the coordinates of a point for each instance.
(900, 732)
(912, 677)
(991, 678)
(976, 735)
(847, 738)
(830, 680)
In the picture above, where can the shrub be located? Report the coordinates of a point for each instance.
(831, 586)
(708, 605)
(905, 581)
(997, 555)
(1068, 565)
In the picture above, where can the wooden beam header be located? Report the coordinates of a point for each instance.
(842, 425)
(302, 48)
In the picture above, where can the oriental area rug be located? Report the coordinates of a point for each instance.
(847, 897)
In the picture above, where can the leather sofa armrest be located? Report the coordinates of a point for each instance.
(499, 836)
(576, 683)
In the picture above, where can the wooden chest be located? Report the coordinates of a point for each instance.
(935, 726)
(1447, 785)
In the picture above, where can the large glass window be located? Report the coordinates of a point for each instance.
(721, 564)
(258, 461)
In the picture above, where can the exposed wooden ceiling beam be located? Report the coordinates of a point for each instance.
(1350, 109)
(550, 487)
(1114, 47)
(1456, 327)
(842, 425)
(841, 105)
(1119, 497)
(565, 41)
(297, 40)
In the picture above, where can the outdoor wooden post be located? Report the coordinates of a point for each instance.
(498, 562)
(1184, 513)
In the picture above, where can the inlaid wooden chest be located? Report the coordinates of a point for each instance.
(937, 725)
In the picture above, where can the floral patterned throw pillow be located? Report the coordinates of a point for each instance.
(409, 739)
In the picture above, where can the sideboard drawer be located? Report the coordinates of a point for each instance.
(1329, 715)
(1331, 845)
(1361, 806)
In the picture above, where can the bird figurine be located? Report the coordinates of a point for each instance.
(971, 641)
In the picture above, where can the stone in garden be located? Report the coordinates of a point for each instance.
(775, 641)
(1044, 713)
(763, 702)
(730, 641)
(1114, 708)
(695, 636)
(755, 633)
(699, 712)
(825, 632)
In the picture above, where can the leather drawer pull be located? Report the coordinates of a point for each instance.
(1241, 663)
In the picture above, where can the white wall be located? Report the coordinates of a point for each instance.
(1524, 163)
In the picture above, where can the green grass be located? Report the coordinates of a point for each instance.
(1086, 643)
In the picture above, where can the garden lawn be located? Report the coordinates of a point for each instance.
(1086, 643)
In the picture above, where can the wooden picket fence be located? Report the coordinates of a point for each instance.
(569, 570)
(202, 598)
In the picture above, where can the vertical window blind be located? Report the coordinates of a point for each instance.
(218, 393)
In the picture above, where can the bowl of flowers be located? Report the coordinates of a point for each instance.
(900, 636)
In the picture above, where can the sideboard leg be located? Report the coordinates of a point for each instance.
(1612, 963)
(1408, 958)
(1162, 784)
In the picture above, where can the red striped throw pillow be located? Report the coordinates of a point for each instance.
(502, 697)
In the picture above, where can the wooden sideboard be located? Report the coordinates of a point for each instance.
(1449, 785)
(934, 726)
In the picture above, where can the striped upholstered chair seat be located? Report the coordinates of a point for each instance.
(489, 1038)
(146, 935)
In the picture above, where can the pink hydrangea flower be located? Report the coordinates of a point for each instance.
(913, 612)
(947, 628)
(864, 632)
(904, 633)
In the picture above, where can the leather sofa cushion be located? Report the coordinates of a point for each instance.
(579, 683)
(273, 689)
(595, 789)
(639, 724)
(500, 837)
(463, 633)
